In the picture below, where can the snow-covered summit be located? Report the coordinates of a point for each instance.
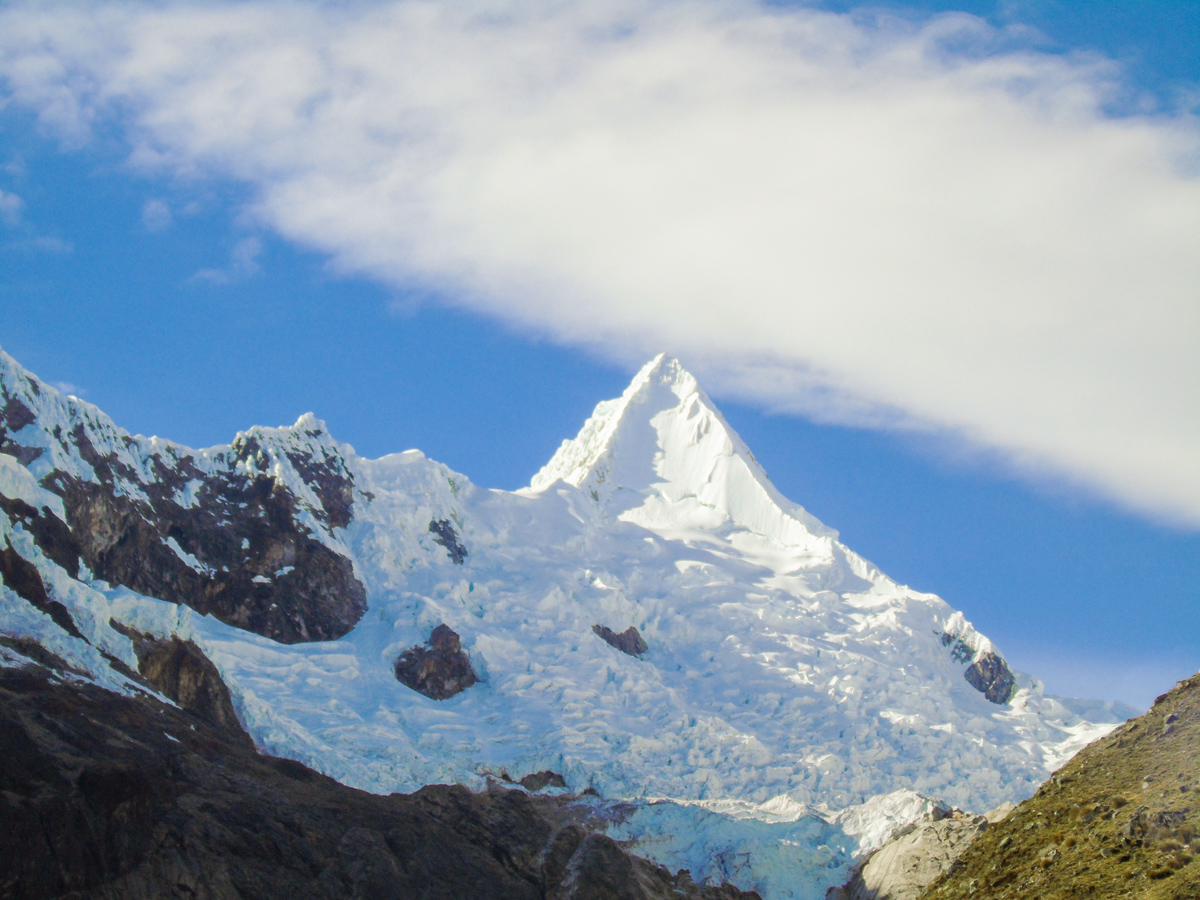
(663, 456)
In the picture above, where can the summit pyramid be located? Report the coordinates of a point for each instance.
(664, 456)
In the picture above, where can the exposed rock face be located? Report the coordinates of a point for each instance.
(438, 670)
(222, 532)
(443, 533)
(108, 796)
(15, 415)
(256, 567)
(910, 861)
(49, 532)
(535, 781)
(628, 641)
(181, 671)
(990, 675)
(22, 578)
(1122, 818)
(1000, 813)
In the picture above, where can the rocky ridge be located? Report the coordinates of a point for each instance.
(246, 533)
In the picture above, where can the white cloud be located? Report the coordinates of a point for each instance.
(156, 215)
(10, 208)
(42, 244)
(243, 262)
(857, 218)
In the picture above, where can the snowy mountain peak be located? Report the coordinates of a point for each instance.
(777, 669)
(663, 456)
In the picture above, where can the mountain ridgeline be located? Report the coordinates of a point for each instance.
(221, 532)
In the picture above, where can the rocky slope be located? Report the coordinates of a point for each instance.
(104, 795)
(913, 858)
(1121, 819)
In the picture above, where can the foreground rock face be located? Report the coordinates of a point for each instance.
(1121, 819)
(439, 670)
(904, 866)
(108, 796)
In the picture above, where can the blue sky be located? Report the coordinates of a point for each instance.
(191, 289)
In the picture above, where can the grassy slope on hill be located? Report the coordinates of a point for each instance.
(1121, 819)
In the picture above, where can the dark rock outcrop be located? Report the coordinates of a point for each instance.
(223, 534)
(990, 675)
(1121, 819)
(257, 567)
(109, 796)
(535, 781)
(443, 533)
(628, 641)
(179, 670)
(22, 578)
(51, 534)
(15, 415)
(440, 669)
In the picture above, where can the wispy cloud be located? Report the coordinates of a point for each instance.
(854, 217)
(10, 208)
(42, 244)
(243, 262)
(156, 215)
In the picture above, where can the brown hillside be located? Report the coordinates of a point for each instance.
(1121, 819)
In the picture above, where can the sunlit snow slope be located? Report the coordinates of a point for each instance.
(779, 663)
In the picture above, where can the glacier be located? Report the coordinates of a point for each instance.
(794, 707)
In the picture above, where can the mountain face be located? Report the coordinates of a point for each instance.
(144, 513)
(776, 676)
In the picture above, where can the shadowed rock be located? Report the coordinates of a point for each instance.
(628, 641)
(111, 796)
(535, 781)
(179, 670)
(227, 536)
(21, 577)
(990, 675)
(443, 533)
(438, 670)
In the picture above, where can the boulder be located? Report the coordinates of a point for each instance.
(440, 669)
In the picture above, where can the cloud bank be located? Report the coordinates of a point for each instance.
(858, 218)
